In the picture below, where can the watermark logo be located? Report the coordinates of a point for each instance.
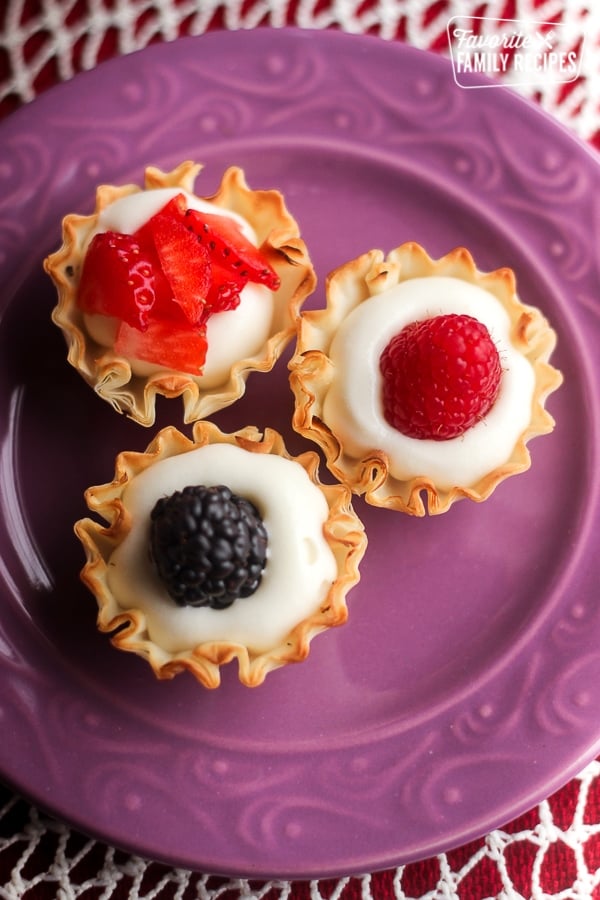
(511, 51)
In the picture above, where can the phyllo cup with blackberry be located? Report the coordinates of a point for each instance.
(423, 379)
(162, 292)
(218, 548)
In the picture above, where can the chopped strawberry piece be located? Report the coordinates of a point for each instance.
(174, 210)
(165, 307)
(118, 279)
(164, 282)
(230, 248)
(165, 344)
(225, 289)
(440, 377)
(184, 262)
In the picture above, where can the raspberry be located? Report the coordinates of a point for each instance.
(209, 546)
(440, 377)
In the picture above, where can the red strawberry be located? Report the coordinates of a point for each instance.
(165, 344)
(225, 289)
(229, 247)
(166, 280)
(118, 279)
(183, 261)
(440, 377)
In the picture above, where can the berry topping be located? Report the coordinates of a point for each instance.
(164, 344)
(167, 279)
(209, 546)
(440, 377)
(229, 247)
(225, 289)
(118, 279)
(185, 265)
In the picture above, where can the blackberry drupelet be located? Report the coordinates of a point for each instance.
(209, 546)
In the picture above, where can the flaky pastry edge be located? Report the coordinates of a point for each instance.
(343, 531)
(109, 374)
(311, 373)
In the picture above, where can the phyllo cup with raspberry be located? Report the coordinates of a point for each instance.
(218, 548)
(422, 380)
(161, 292)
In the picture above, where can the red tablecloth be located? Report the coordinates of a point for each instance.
(551, 852)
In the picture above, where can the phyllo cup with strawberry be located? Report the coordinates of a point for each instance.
(161, 292)
(220, 548)
(423, 380)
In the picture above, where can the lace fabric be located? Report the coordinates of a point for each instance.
(553, 852)
(41, 43)
(550, 853)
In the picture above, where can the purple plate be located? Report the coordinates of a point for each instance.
(464, 688)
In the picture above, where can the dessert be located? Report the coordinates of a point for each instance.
(422, 377)
(162, 292)
(218, 548)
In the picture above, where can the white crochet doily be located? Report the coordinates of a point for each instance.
(56, 35)
(116, 875)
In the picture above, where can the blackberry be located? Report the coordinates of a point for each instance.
(209, 546)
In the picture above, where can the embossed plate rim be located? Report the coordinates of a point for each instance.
(276, 853)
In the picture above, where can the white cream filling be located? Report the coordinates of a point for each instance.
(353, 407)
(231, 335)
(300, 565)
(129, 213)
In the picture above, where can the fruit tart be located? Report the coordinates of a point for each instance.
(422, 379)
(162, 292)
(217, 548)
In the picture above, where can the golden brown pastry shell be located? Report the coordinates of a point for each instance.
(111, 376)
(311, 373)
(343, 530)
